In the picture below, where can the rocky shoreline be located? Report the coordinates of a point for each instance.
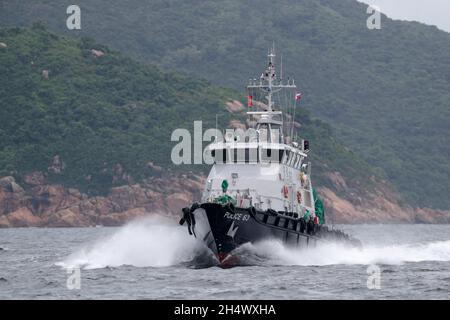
(47, 205)
(376, 209)
(38, 204)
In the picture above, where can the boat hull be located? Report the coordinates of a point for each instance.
(224, 228)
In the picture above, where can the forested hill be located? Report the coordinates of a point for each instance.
(109, 119)
(385, 92)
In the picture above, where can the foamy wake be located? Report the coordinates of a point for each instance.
(150, 242)
(159, 242)
(274, 252)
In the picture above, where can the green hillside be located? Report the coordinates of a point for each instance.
(97, 112)
(386, 93)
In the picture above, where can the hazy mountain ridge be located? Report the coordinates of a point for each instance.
(86, 135)
(76, 113)
(385, 92)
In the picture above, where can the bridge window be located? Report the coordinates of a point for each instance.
(251, 155)
(275, 129)
(286, 157)
(220, 155)
(271, 155)
(298, 161)
(291, 159)
(238, 155)
(263, 132)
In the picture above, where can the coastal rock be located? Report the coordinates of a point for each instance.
(57, 165)
(23, 218)
(67, 218)
(11, 195)
(15, 188)
(154, 167)
(4, 222)
(338, 210)
(34, 178)
(57, 206)
(103, 206)
(75, 193)
(236, 124)
(234, 106)
(48, 199)
(6, 183)
(97, 53)
(156, 201)
(139, 196)
(87, 206)
(123, 196)
(337, 180)
(120, 218)
(177, 201)
(425, 215)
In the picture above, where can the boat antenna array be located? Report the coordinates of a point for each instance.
(269, 86)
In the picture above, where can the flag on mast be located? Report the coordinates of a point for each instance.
(298, 96)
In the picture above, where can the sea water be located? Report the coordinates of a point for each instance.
(155, 258)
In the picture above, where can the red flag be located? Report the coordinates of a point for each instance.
(250, 101)
(298, 96)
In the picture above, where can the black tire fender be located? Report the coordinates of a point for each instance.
(252, 211)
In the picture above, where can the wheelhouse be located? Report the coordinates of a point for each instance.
(256, 153)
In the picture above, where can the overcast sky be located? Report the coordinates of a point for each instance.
(433, 12)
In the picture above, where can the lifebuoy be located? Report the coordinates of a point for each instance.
(299, 197)
(285, 191)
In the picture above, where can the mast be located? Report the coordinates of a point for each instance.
(269, 83)
(271, 77)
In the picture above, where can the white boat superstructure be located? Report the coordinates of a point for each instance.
(266, 168)
(260, 184)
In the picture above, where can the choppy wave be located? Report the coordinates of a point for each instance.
(159, 242)
(151, 242)
(275, 253)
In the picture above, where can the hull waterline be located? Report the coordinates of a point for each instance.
(225, 228)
